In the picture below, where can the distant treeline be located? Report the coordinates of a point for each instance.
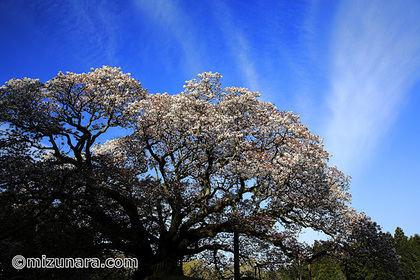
(328, 267)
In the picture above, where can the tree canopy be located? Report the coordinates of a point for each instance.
(188, 169)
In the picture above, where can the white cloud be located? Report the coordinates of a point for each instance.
(375, 61)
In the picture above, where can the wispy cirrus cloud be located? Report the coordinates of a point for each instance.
(236, 41)
(175, 23)
(375, 62)
(92, 27)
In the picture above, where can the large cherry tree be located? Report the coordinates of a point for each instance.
(189, 167)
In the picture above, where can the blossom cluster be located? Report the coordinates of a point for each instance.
(213, 145)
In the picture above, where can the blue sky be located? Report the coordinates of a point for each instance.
(350, 69)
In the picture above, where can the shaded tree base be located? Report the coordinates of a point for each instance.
(171, 277)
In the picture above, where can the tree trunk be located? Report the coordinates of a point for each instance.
(309, 270)
(236, 272)
(159, 271)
